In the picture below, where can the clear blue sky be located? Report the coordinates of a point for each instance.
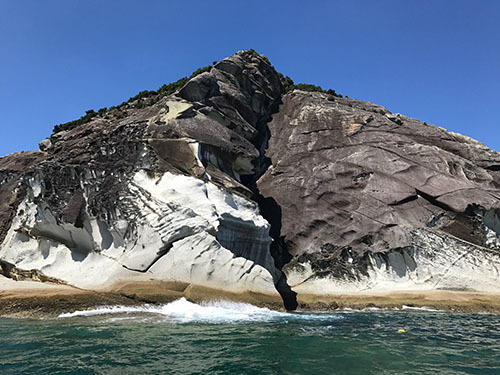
(438, 61)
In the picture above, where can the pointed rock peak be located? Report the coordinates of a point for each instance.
(245, 88)
(247, 58)
(246, 70)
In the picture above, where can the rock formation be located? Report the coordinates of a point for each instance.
(377, 201)
(233, 184)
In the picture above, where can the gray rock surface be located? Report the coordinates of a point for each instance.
(228, 182)
(353, 180)
(153, 193)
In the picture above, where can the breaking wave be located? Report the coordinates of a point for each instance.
(421, 308)
(184, 311)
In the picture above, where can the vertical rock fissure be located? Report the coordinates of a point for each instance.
(271, 211)
(242, 93)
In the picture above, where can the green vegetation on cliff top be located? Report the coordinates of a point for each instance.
(146, 98)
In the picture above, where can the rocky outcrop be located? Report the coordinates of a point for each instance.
(156, 195)
(10, 271)
(372, 200)
(233, 185)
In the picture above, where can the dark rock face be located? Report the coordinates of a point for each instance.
(351, 178)
(351, 191)
(10, 271)
(156, 191)
(12, 191)
(222, 111)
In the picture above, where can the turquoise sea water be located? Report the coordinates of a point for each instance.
(230, 338)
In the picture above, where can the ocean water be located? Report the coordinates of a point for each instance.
(234, 338)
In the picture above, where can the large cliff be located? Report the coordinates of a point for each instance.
(233, 184)
(375, 201)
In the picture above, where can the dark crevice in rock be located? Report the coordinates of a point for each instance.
(493, 168)
(163, 251)
(271, 211)
(405, 200)
(433, 200)
(251, 94)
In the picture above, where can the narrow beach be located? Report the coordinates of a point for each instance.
(35, 299)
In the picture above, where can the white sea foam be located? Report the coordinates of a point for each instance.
(184, 311)
(422, 308)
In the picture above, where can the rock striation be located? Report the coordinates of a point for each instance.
(156, 195)
(232, 184)
(372, 200)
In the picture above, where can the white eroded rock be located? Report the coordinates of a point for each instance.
(435, 261)
(181, 229)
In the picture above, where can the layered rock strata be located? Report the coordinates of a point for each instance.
(233, 185)
(154, 196)
(376, 201)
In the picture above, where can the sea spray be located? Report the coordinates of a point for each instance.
(184, 311)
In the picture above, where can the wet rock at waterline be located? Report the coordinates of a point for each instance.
(232, 184)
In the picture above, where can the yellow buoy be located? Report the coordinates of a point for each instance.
(401, 331)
